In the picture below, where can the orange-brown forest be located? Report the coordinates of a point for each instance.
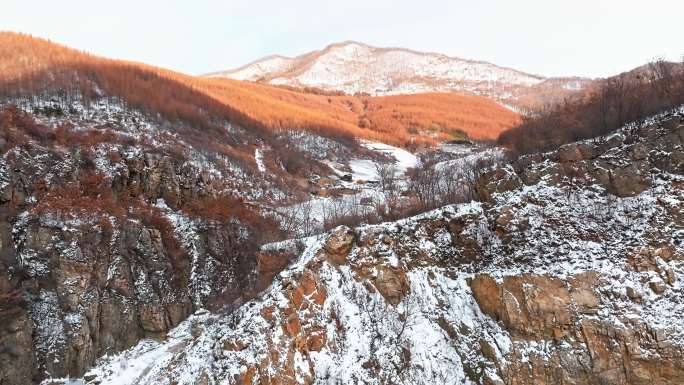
(30, 66)
(607, 105)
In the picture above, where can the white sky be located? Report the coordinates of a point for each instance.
(546, 37)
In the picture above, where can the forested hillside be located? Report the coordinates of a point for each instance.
(35, 68)
(606, 105)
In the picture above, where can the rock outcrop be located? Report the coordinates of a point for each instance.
(587, 349)
(89, 288)
(623, 163)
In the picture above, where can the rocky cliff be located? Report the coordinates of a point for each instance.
(113, 229)
(569, 271)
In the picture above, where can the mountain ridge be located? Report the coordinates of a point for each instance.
(389, 48)
(353, 67)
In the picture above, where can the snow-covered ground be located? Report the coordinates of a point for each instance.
(185, 357)
(404, 159)
(259, 158)
(366, 170)
(362, 192)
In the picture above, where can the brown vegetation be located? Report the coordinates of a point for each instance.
(229, 210)
(30, 67)
(17, 127)
(91, 194)
(221, 209)
(611, 103)
(443, 116)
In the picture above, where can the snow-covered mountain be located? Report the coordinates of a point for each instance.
(354, 67)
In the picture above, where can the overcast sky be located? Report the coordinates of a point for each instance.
(546, 37)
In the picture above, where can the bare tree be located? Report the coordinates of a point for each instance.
(660, 69)
(387, 175)
(298, 220)
(424, 184)
(390, 344)
(662, 78)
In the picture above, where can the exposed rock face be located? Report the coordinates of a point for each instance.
(83, 275)
(574, 152)
(555, 282)
(622, 163)
(536, 306)
(569, 312)
(16, 354)
(589, 349)
(90, 290)
(497, 181)
(338, 245)
(391, 283)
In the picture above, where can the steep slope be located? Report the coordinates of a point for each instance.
(33, 68)
(353, 68)
(113, 228)
(568, 271)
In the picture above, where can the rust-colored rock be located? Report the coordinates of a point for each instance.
(316, 341)
(269, 264)
(293, 326)
(338, 245)
(538, 308)
(392, 283)
(535, 306)
(307, 290)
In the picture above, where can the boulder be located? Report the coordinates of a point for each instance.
(497, 181)
(630, 180)
(633, 294)
(392, 283)
(338, 245)
(639, 151)
(657, 287)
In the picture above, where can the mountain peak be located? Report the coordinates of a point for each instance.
(355, 67)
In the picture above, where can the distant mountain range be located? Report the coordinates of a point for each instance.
(353, 67)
